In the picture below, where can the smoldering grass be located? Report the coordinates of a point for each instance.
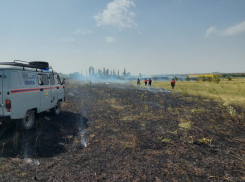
(82, 125)
(26, 152)
(83, 141)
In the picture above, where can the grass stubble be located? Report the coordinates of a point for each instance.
(138, 135)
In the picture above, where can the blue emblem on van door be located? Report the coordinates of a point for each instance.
(29, 82)
(32, 77)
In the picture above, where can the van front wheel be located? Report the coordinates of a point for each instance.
(56, 109)
(28, 121)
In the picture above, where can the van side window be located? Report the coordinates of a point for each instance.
(51, 77)
(40, 82)
(15, 79)
(43, 79)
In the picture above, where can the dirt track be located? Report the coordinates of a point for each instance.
(131, 134)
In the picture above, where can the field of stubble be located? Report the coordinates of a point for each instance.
(119, 132)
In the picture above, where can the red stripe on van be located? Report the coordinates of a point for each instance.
(16, 91)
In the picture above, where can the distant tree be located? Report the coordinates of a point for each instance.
(187, 78)
(203, 78)
(229, 78)
(140, 75)
(154, 78)
(176, 78)
(216, 80)
(209, 79)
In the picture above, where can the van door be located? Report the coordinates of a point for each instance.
(21, 92)
(58, 87)
(1, 93)
(45, 92)
(54, 93)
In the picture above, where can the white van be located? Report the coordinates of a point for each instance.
(27, 88)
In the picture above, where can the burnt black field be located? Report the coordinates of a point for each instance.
(118, 132)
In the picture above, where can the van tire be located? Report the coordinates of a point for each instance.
(27, 122)
(56, 109)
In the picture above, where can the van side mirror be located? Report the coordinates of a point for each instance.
(63, 82)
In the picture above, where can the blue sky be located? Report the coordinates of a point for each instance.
(148, 37)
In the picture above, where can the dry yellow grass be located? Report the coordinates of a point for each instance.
(228, 92)
(114, 104)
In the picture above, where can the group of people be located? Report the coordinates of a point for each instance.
(149, 82)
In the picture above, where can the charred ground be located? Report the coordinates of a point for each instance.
(132, 134)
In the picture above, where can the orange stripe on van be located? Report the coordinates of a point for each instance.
(16, 91)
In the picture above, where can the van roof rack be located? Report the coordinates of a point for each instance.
(42, 65)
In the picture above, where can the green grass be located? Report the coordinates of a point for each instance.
(231, 92)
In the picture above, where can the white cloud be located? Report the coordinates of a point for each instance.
(240, 28)
(109, 39)
(211, 30)
(82, 31)
(117, 14)
(234, 30)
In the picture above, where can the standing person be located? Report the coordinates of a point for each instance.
(149, 84)
(145, 82)
(138, 81)
(172, 83)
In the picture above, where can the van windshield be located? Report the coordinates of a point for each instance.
(57, 79)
